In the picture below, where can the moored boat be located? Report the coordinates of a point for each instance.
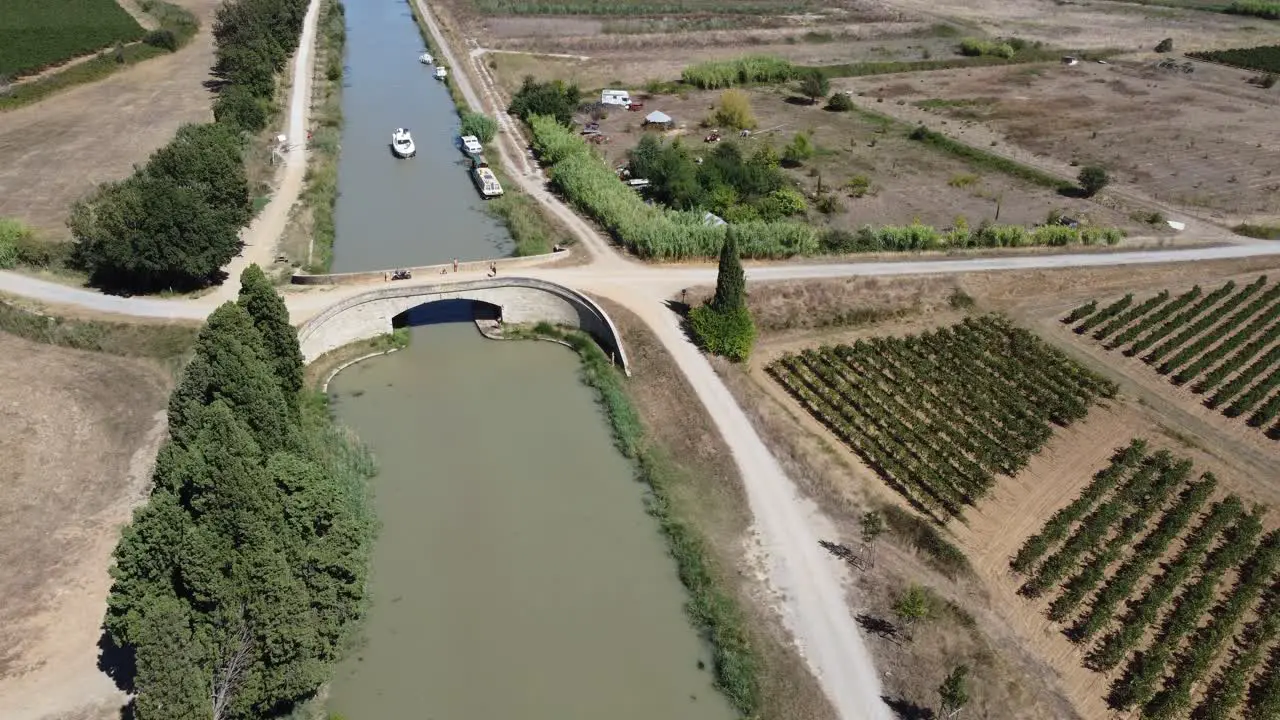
(486, 181)
(441, 72)
(426, 59)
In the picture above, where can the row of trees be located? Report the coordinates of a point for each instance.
(1223, 340)
(239, 581)
(939, 415)
(175, 222)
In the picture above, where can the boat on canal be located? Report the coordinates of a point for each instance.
(486, 181)
(402, 143)
(441, 72)
(426, 59)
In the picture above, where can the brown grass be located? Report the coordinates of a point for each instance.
(78, 435)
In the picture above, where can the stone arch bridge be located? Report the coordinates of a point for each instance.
(521, 300)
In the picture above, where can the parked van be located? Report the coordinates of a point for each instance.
(615, 97)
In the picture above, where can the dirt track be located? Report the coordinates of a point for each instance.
(57, 150)
(78, 432)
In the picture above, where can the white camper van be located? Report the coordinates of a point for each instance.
(615, 97)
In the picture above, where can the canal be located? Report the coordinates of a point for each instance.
(516, 573)
(417, 211)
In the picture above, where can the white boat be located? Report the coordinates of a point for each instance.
(441, 72)
(471, 144)
(426, 59)
(486, 182)
(402, 143)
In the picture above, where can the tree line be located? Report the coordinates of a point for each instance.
(175, 222)
(239, 582)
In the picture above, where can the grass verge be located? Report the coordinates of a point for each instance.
(178, 22)
(889, 67)
(167, 343)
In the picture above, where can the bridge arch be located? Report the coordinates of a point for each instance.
(521, 300)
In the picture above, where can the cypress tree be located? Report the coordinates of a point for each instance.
(731, 280)
(271, 318)
(231, 364)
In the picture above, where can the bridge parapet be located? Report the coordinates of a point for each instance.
(522, 300)
(368, 277)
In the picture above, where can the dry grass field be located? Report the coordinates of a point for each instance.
(1206, 139)
(1036, 666)
(78, 432)
(55, 151)
(908, 179)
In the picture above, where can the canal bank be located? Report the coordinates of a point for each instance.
(516, 572)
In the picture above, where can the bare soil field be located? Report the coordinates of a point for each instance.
(1040, 667)
(78, 435)
(1206, 139)
(57, 150)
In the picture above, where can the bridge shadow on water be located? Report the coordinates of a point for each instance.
(439, 312)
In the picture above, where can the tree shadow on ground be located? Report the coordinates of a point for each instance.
(799, 100)
(878, 626)
(681, 309)
(117, 662)
(1073, 192)
(907, 710)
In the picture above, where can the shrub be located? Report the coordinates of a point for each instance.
(962, 180)
(858, 186)
(554, 99)
(12, 232)
(798, 150)
(828, 204)
(840, 102)
(734, 111)
(162, 38)
(814, 84)
(728, 334)
(480, 125)
(1092, 179)
(1165, 45)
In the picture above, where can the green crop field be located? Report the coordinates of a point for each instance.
(643, 7)
(35, 34)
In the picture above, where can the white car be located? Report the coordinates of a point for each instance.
(471, 144)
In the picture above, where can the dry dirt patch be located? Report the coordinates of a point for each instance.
(77, 434)
(55, 151)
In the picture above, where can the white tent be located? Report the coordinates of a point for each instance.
(657, 117)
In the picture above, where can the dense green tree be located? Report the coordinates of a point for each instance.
(480, 125)
(723, 326)
(231, 365)
(150, 233)
(208, 157)
(270, 316)
(239, 108)
(554, 99)
(814, 84)
(731, 279)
